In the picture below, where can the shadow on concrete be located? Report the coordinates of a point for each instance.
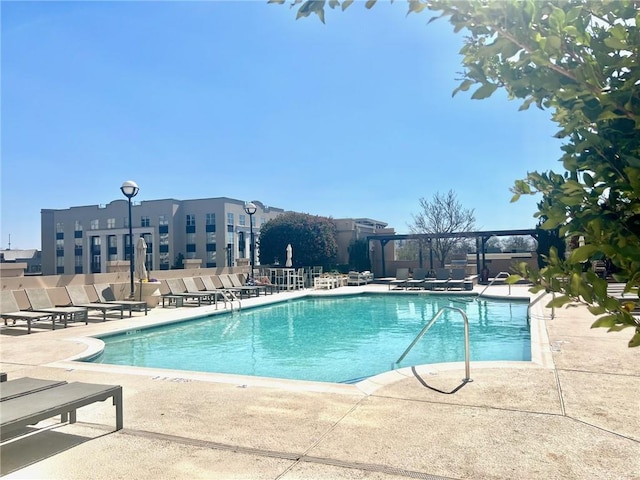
(31, 445)
(424, 384)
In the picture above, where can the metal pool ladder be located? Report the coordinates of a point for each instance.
(497, 277)
(428, 326)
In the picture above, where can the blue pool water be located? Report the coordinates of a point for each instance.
(331, 339)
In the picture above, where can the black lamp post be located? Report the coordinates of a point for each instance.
(251, 209)
(130, 190)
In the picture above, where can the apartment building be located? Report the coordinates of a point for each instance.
(85, 239)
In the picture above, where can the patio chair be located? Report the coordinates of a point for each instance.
(79, 298)
(9, 310)
(418, 279)
(62, 399)
(402, 275)
(105, 295)
(457, 280)
(178, 290)
(265, 283)
(228, 285)
(26, 385)
(210, 295)
(441, 280)
(240, 280)
(230, 294)
(41, 302)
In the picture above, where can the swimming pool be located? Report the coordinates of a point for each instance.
(330, 339)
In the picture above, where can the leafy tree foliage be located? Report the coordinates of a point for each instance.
(312, 239)
(579, 59)
(443, 214)
(359, 255)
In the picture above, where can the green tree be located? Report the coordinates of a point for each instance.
(359, 255)
(579, 59)
(312, 239)
(443, 214)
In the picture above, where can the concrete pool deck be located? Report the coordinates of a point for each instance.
(571, 415)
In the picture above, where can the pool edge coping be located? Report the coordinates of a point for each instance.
(541, 356)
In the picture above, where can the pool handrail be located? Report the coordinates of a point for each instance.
(428, 326)
(497, 277)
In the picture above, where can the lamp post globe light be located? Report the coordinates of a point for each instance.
(251, 209)
(130, 190)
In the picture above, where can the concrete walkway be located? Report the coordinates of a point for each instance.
(573, 414)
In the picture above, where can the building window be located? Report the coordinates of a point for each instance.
(127, 247)
(77, 234)
(59, 235)
(211, 218)
(164, 260)
(163, 229)
(145, 221)
(242, 220)
(211, 247)
(95, 224)
(229, 237)
(211, 259)
(111, 223)
(60, 265)
(112, 248)
(78, 226)
(211, 237)
(241, 248)
(229, 218)
(78, 264)
(78, 247)
(191, 221)
(191, 247)
(162, 220)
(59, 227)
(59, 245)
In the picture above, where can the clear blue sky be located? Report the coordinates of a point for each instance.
(354, 118)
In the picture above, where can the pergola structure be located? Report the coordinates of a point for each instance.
(480, 236)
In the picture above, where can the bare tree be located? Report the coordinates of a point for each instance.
(519, 244)
(443, 214)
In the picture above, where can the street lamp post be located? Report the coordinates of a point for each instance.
(130, 190)
(251, 209)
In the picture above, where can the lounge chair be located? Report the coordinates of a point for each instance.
(24, 386)
(213, 283)
(440, 281)
(236, 282)
(264, 282)
(418, 279)
(178, 291)
(227, 284)
(79, 298)
(105, 295)
(9, 310)
(402, 275)
(211, 295)
(63, 399)
(457, 280)
(41, 302)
